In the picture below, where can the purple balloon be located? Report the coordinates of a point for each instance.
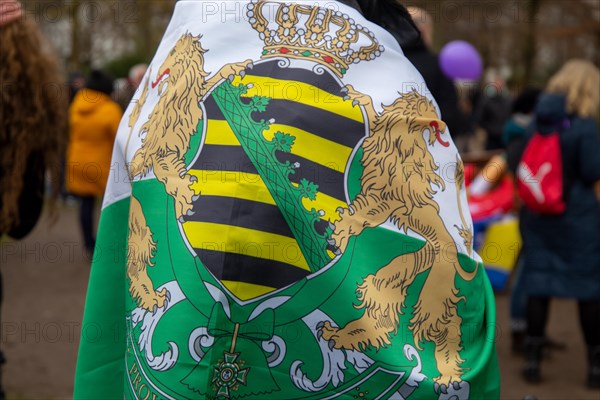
(460, 60)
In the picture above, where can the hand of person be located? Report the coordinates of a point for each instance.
(10, 10)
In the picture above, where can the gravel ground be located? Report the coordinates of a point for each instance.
(45, 279)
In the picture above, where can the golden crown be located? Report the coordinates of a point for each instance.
(322, 35)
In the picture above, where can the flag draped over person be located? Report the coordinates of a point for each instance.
(285, 218)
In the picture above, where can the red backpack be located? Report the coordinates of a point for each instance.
(540, 175)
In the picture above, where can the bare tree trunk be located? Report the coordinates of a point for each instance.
(530, 42)
(75, 56)
(145, 30)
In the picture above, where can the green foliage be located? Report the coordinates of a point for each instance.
(260, 103)
(308, 189)
(283, 141)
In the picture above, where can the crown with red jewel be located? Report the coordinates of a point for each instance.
(326, 36)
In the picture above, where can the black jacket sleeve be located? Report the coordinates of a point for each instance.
(31, 199)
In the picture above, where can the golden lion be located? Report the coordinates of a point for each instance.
(182, 83)
(397, 184)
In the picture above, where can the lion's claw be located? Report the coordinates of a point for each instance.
(440, 388)
(451, 387)
(328, 333)
(358, 99)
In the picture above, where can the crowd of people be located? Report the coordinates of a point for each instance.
(545, 139)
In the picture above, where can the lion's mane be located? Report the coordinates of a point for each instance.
(174, 116)
(396, 159)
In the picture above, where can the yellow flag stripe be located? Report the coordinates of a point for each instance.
(241, 185)
(314, 148)
(251, 187)
(300, 92)
(246, 291)
(306, 145)
(219, 133)
(244, 241)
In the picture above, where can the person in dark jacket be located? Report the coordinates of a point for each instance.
(514, 139)
(513, 134)
(561, 253)
(493, 109)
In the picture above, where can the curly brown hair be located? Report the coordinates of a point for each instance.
(33, 109)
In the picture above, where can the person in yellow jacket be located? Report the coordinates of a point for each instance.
(93, 120)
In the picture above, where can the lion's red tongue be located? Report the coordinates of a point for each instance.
(166, 72)
(438, 134)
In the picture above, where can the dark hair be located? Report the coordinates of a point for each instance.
(526, 101)
(100, 81)
(393, 17)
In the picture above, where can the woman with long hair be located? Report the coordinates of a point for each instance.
(32, 120)
(32, 124)
(561, 252)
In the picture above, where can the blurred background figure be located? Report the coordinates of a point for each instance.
(561, 251)
(514, 131)
(75, 82)
(93, 121)
(32, 124)
(125, 87)
(514, 138)
(418, 51)
(492, 109)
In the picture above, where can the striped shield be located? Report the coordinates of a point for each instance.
(270, 181)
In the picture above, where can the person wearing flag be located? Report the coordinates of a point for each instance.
(286, 218)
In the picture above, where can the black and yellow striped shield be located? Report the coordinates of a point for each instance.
(271, 172)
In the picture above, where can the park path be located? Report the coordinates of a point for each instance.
(45, 279)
